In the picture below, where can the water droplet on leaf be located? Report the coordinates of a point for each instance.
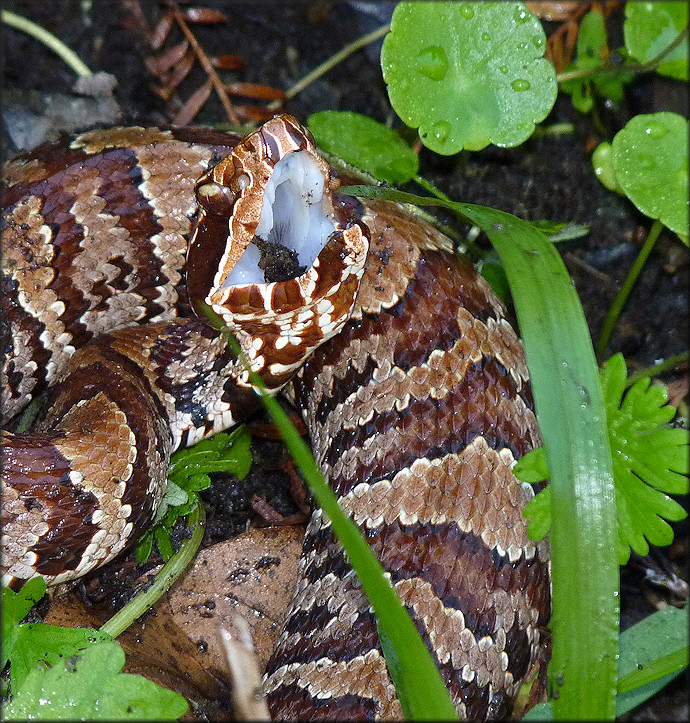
(521, 16)
(538, 41)
(504, 69)
(467, 11)
(520, 85)
(656, 130)
(440, 130)
(432, 62)
(646, 162)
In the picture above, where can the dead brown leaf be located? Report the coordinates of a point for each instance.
(252, 575)
(178, 644)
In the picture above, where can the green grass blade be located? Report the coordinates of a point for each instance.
(572, 419)
(652, 653)
(672, 663)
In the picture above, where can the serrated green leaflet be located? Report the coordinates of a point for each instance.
(532, 467)
(25, 645)
(359, 140)
(652, 26)
(38, 642)
(188, 473)
(572, 417)
(649, 460)
(224, 452)
(468, 74)
(15, 607)
(650, 160)
(647, 455)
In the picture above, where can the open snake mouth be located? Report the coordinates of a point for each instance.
(295, 224)
(272, 254)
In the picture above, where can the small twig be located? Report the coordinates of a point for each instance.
(570, 258)
(331, 62)
(68, 56)
(659, 368)
(626, 67)
(249, 699)
(568, 28)
(207, 66)
(622, 296)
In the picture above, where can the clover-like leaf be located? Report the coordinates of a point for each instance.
(650, 461)
(602, 163)
(650, 27)
(468, 74)
(366, 144)
(650, 160)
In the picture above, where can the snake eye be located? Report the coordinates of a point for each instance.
(215, 198)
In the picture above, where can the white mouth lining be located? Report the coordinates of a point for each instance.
(295, 213)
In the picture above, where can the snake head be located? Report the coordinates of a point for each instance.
(273, 254)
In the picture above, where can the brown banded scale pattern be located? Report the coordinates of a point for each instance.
(417, 412)
(94, 238)
(412, 384)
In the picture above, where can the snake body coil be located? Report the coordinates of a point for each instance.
(412, 384)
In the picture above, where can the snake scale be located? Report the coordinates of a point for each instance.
(412, 384)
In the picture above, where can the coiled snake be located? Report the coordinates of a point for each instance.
(412, 384)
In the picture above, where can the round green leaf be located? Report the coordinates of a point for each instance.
(602, 162)
(650, 160)
(364, 143)
(468, 74)
(650, 27)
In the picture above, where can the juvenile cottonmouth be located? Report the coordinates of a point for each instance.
(412, 384)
